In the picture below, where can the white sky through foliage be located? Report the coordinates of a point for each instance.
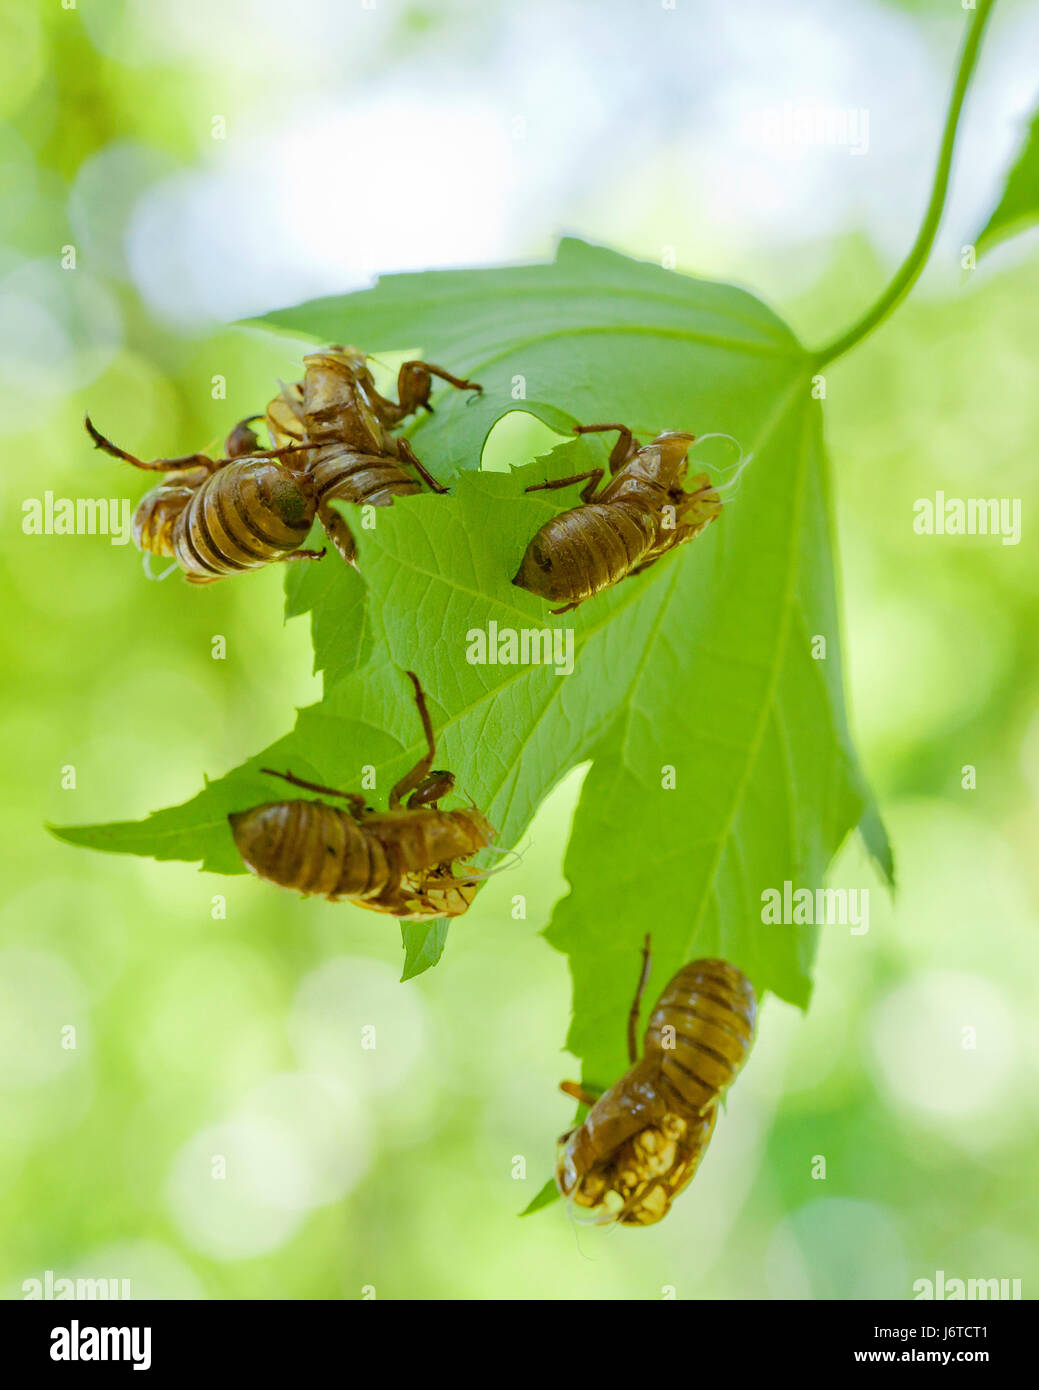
(479, 133)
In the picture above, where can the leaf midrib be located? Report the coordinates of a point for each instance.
(768, 701)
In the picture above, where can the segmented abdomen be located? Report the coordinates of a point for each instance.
(701, 1029)
(242, 517)
(585, 550)
(311, 847)
(343, 475)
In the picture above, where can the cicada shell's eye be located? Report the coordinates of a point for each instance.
(350, 357)
(567, 1176)
(674, 448)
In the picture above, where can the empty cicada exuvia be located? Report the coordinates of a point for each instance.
(399, 860)
(354, 457)
(221, 516)
(643, 512)
(642, 1140)
(331, 441)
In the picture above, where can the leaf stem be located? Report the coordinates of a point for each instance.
(910, 269)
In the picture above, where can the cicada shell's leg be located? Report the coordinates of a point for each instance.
(301, 555)
(272, 454)
(594, 477)
(414, 779)
(354, 800)
(418, 368)
(633, 1012)
(431, 789)
(648, 565)
(242, 440)
(408, 455)
(172, 465)
(414, 382)
(625, 448)
(150, 465)
(413, 385)
(637, 1198)
(580, 1093)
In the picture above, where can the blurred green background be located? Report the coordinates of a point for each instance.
(357, 140)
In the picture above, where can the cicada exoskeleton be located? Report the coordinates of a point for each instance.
(222, 516)
(642, 1140)
(399, 860)
(644, 511)
(355, 458)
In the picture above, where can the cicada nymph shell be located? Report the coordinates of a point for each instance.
(642, 1140)
(643, 512)
(331, 442)
(355, 458)
(400, 861)
(218, 517)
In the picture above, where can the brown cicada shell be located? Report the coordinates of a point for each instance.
(217, 517)
(643, 512)
(398, 861)
(642, 1140)
(331, 441)
(355, 458)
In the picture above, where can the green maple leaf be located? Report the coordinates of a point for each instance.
(704, 664)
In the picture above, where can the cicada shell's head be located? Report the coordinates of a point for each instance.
(335, 399)
(697, 506)
(479, 827)
(159, 508)
(572, 1162)
(671, 448)
(445, 836)
(284, 416)
(353, 360)
(635, 1181)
